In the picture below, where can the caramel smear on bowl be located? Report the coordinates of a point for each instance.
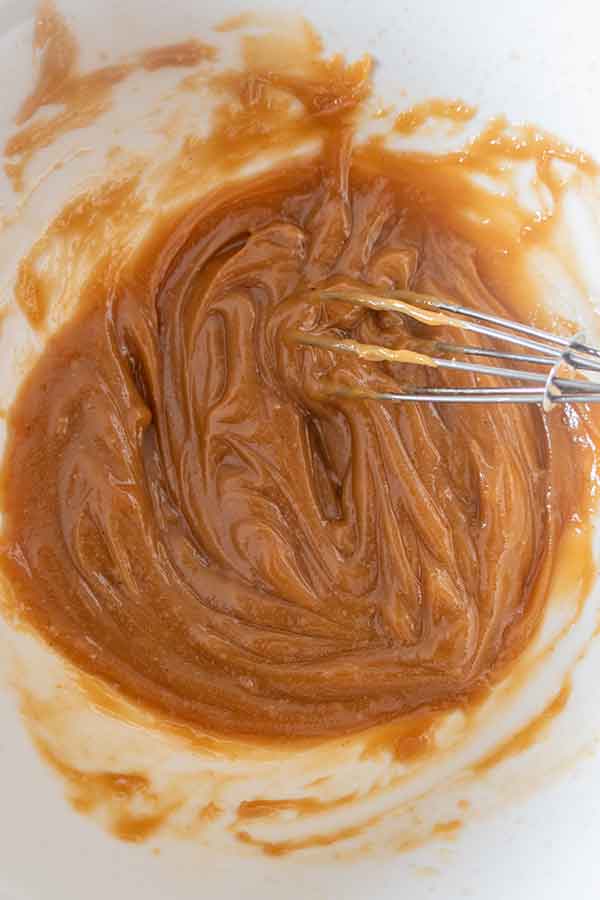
(81, 97)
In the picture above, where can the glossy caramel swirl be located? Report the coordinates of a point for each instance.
(194, 515)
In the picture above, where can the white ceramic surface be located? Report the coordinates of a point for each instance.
(532, 60)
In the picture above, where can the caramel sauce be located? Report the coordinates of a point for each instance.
(414, 118)
(56, 51)
(233, 23)
(134, 811)
(302, 806)
(409, 739)
(447, 829)
(183, 55)
(221, 540)
(83, 97)
(284, 848)
(527, 736)
(211, 812)
(29, 291)
(82, 228)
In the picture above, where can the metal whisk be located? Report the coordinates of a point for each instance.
(549, 355)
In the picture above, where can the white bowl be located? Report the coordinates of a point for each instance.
(532, 827)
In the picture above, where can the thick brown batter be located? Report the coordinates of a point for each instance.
(193, 515)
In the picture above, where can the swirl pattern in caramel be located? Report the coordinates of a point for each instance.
(194, 514)
(199, 521)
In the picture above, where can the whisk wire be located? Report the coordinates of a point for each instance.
(551, 351)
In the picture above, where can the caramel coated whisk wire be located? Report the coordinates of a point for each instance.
(536, 347)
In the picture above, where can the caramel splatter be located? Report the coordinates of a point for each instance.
(414, 118)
